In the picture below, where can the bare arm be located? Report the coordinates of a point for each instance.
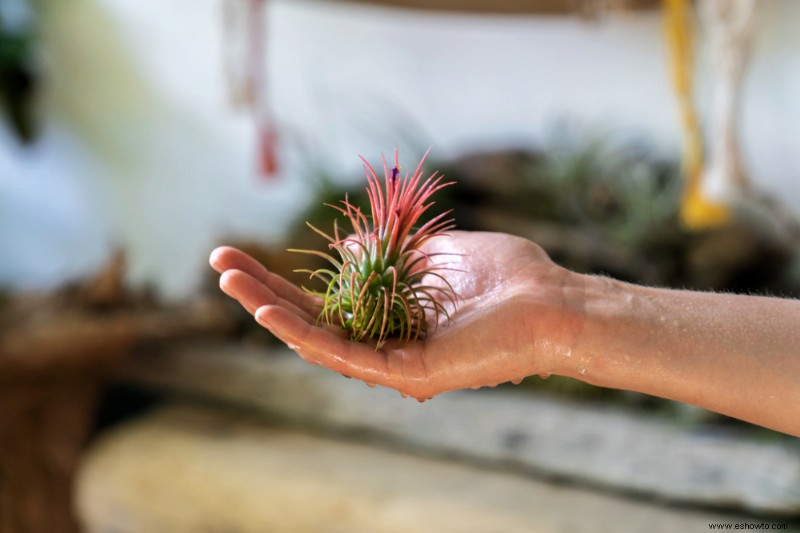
(520, 314)
(736, 355)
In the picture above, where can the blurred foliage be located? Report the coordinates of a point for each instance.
(607, 204)
(611, 182)
(18, 77)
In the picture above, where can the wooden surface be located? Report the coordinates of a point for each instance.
(519, 7)
(54, 360)
(43, 429)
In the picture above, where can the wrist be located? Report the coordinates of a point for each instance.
(623, 343)
(558, 325)
(603, 307)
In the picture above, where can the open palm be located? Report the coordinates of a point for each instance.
(513, 317)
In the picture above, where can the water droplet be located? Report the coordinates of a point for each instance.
(370, 385)
(582, 371)
(516, 381)
(403, 395)
(544, 375)
(421, 400)
(292, 347)
(476, 387)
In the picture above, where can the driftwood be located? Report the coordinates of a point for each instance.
(56, 352)
(520, 7)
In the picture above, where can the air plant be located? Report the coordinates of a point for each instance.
(382, 284)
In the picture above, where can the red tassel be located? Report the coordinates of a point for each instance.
(267, 151)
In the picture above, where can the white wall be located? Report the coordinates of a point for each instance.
(142, 150)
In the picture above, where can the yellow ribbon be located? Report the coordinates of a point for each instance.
(696, 211)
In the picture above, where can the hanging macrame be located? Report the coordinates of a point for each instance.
(245, 42)
(728, 26)
(714, 177)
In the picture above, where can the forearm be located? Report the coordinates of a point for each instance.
(736, 355)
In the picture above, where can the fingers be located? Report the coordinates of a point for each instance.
(253, 294)
(323, 347)
(227, 258)
(290, 314)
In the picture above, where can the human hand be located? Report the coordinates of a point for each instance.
(517, 314)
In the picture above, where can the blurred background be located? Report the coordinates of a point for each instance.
(647, 140)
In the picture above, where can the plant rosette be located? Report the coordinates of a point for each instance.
(381, 283)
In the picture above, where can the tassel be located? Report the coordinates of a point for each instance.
(245, 22)
(267, 152)
(697, 212)
(265, 127)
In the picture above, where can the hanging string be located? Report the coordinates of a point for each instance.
(696, 212)
(246, 68)
(265, 125)
(729, 26)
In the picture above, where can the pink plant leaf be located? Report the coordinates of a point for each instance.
(377, 289)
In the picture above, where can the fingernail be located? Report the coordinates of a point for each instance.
(224, 280)
(260, 313)
(213, 259)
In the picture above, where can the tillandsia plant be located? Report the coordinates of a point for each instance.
(382, 284)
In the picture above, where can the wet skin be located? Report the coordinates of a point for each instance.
(519, 314)
(510, 307)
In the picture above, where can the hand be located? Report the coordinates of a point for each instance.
(518, 314)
